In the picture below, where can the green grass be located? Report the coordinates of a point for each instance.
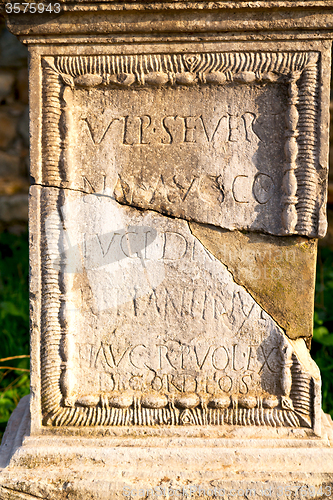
(322, 345)
(14, 324)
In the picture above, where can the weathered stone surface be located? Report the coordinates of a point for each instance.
(153, 321)
(198, 466)
(274, 19)
(150, 363)
(278, 272)
(208, 162)
(17, 428)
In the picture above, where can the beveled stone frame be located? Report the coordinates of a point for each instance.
(302, 213)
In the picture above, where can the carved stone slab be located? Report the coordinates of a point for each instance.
(229, 139)
(143, 326)
(139, 324)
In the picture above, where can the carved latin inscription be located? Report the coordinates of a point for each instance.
(156, 332)
(206, 166)
(148, 130)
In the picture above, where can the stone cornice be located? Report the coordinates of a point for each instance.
(106, 18)
(223, 4)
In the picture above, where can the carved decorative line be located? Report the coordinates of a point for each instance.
(111, 416)
(67, 377)
(50, 327)
(233, 67)
(68, 128)
(289, 183)
(297, 393)
(307, 175)
(302, 393)
(51, 294)
(56, 371)
(158, 69)
(51, 140)
(286, 375)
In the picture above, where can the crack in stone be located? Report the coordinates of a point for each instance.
(188, 220)
(71, 189)
(130, 205)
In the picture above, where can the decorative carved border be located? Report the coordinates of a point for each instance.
(298, 70)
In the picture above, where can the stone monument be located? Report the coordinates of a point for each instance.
(179, 156)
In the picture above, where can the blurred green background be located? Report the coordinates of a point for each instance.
(14, 321)
(14, 265)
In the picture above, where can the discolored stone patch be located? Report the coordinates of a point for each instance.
(278, 272)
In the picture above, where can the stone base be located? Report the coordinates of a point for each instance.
(95, 468)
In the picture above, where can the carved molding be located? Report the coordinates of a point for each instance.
(172, 416)
(61, 404)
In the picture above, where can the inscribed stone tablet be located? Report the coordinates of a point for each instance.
(141, 324)
(149, 328)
